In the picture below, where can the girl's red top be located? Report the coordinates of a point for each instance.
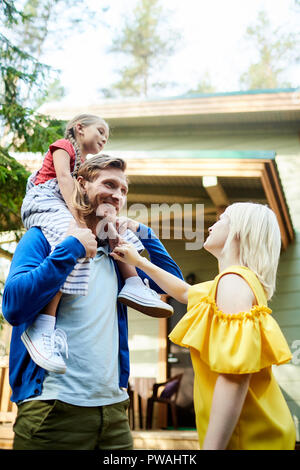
(47, 170)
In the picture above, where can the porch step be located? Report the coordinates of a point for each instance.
(165, 440)
(6, 436)
(146, 440)
(143, 440)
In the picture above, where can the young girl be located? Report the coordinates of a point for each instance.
(48, 205)
(233, 339)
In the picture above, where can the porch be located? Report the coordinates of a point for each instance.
(158, 439)
(143, 440)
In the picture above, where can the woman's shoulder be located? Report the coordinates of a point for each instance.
(235, 278)
(234, 294)
(243, 281)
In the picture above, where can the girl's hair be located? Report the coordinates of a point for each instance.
(70, 134)
(89, 171)
(257, 229)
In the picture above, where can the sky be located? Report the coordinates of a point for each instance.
(212, 42)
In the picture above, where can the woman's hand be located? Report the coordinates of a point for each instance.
(169, 283)
(127, 253)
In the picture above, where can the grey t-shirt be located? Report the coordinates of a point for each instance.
(91, 325)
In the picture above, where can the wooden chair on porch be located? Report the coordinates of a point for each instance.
(167, 396)
(8, 410)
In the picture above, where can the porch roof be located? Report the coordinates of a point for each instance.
(253, 106)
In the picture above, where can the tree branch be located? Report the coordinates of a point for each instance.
(5, 254)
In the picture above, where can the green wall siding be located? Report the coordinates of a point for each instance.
(283, 141)
(286, 310)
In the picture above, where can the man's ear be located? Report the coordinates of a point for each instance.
(81, 181)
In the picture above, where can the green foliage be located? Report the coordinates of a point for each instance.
(25, 83)
(13, 178)
(146, 41)
(55, 92)
(276, 49)
(204, 85)
(11, 14)
(1, 315)
(22, 128)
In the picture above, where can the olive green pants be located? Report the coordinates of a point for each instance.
(54, 425)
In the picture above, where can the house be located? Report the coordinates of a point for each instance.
(188, 158)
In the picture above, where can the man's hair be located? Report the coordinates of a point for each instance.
(89, 171)
(256, 228)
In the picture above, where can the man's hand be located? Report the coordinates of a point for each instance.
(106, 211)
(86, 238)
(123, 223)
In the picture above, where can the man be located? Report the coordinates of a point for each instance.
(85, 408)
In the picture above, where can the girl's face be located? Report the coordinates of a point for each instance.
(217, 235)
(92, 138)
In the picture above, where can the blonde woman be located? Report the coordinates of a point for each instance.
(49, 204)
(232, 337)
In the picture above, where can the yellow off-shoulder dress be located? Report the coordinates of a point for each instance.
(244, 343)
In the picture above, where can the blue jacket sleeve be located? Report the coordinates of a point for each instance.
(158, 256)
(35, 275)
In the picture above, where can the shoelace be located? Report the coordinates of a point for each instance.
(153, 292)
(56, 342)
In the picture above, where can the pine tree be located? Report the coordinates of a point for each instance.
(146, 41)
(24, 83)
(276, 49)
(204, 85)
(22, 128)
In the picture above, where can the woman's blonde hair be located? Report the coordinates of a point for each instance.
(89, 171)
(256, 228)
(70, 133)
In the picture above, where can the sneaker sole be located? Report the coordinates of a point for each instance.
(38, 359)
(155, 312)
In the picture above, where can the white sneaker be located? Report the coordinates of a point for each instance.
(145, 300)
(45, 348)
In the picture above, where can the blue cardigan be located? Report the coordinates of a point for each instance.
(34, 278)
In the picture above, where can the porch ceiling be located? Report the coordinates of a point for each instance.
(181, 182)
(164, 189)
(160, 190)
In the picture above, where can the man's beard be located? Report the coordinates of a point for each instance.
(100, 216)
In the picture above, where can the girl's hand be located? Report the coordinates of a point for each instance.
(124, 223)
(127, 253)
(114, 239)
